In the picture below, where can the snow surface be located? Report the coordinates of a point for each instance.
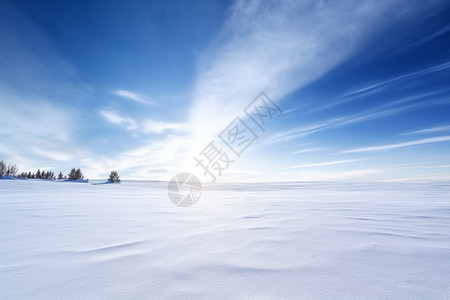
(62, 240)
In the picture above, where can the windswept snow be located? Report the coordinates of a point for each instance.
(62, 240)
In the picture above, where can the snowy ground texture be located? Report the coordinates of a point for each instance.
(61, 240)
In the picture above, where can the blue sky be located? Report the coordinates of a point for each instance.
(143, 86)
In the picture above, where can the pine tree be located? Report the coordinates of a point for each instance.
(60, 176)
(3, 168)
(75, 174)
(38, 174)
(114, 177)
(72, 175)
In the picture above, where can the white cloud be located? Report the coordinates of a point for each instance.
(321, 164)
(280, 46)
(307, 150)
(115, 118)
(386, 110)
(431, 130)
(426, 39)
(146, 126)
(140, 163)
(56, 153)
(376, 87)
(134, 96)
(36, 133)
(160, 127)
(400, 145)
(24, 121)
(416, 74)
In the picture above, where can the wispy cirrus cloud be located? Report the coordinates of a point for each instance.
(162, 154)
(58, 153)
(383, 83)
(114, 117)
(392, 108)
(375, 87)
(307, 150)
(139, 98)
(321, 164)
(400, 145)
(278, 47)
(145, 126)
(426, 39)
(430, 130)
(36, 132)
(160, 127)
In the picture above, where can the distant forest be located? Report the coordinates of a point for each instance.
(12, 171)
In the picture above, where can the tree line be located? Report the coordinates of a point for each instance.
(11, 170)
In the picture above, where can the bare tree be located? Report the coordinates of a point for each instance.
(12, 170)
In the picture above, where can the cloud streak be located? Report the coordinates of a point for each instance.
(139, 98)
(306, 150)
(390, 81)
(373, 88)
(430, 130)
(146, 126)
(392, 108)
(321, 164)
(159, 127)
(115, 118)
(400, 145)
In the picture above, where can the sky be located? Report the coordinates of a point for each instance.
(353, 90)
